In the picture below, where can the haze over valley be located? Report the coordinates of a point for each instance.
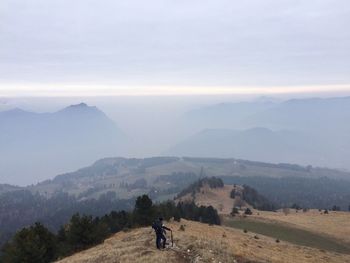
(174, 131)
(305, 131)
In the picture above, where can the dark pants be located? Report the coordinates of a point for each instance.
(160, 237)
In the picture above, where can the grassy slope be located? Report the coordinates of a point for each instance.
(334, 224)
(201, 243)
(219, 198)
(313, 229)
(290, 234)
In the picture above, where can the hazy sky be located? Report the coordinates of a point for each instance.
(94, 47)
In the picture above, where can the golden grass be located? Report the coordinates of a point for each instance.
(201, 243)
(334, 224)
(219, 198)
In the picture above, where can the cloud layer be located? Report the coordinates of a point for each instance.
(185, 43)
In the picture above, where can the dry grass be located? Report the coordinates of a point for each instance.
(334, 224)
(219, 198)
(201, 243)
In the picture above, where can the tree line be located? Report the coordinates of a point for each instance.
(22, 208)
(38, 244)
(319, 193)
(212, 182)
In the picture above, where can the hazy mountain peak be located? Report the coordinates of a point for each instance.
(67, 139)
(80, 105)
(82, 108)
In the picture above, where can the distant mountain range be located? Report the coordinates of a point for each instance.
(226, 115)
(306, 131)
(327, 116)
(298, 114)
(35, 146)
(38, 146)
(259, 144)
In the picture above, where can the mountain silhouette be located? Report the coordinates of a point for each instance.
(41, 145)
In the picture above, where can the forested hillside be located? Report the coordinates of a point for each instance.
(22, 208)
(114, 183)
(38, 244)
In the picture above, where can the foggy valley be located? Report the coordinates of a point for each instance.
(305, 131)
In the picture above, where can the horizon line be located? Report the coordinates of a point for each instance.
(80, 90)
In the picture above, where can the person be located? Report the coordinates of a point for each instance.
(160, 231)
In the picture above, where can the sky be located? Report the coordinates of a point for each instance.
(173, 47)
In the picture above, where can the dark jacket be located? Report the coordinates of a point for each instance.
(159, 228)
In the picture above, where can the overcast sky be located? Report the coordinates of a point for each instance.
(63, 46)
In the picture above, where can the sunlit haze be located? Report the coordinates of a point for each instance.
(63, 90)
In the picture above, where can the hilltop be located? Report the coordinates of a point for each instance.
(219, 198)
(201, 243)
(213, 192)
(63, 140)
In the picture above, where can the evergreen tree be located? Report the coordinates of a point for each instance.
(144, 211)
(35, 244)
(84, 231)
(117, 221)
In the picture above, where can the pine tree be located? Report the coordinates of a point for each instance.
(33, 244)
(144, 212)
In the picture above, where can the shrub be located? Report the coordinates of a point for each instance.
(336, 208)
(235, 211)
(248, 212)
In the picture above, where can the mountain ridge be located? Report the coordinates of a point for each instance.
(65, 140)
(201, 243)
